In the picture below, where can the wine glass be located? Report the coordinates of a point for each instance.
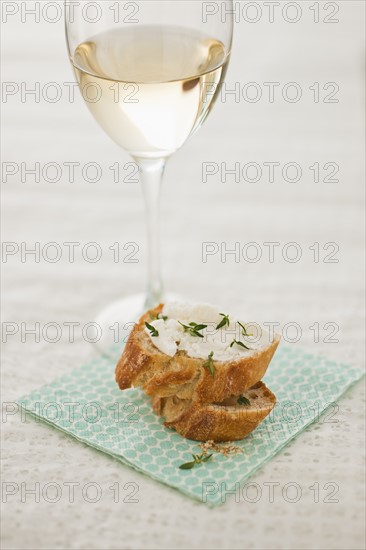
(150, 72)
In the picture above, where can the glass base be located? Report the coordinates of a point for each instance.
(117, 320)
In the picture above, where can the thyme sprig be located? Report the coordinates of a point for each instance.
(244, 329)
(161, 316)
(158, 316)
(153, 330)
(209, 364)
(225, 321)
(238, 343)
(197, 459)
(193, 328)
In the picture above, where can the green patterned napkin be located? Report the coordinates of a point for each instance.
(88, 405)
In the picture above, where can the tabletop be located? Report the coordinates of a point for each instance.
(261, 211)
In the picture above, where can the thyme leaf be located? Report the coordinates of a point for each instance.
(224, 321)
(153, 330)
(197, 459)
(193, 329)
(158, 316)
(243, 400)
(209, 364)
(238, 343)
(245, 333)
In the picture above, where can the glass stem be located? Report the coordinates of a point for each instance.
(151, 177)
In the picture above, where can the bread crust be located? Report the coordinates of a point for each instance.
(202, 422)
(159, 375)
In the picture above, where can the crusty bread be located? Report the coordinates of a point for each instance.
(160, 375)
(196, 404)
(226, 421)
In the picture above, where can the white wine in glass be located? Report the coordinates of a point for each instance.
(153, 83)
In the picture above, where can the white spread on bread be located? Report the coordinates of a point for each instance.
(173, 337)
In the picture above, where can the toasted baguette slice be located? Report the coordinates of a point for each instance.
(226, 421)
(160, 375)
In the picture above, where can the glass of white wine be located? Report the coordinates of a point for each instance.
(150, 72)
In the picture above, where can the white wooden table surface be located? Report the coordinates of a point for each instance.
(193, 212)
